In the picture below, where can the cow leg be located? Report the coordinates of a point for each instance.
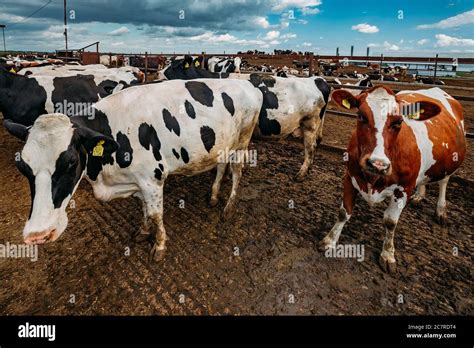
(345, 212)
(419, 194)
(144, 231)
(236, 169)
(221, 169)
(310, 132)
(319, 137)
(441, 210)
(390, 219)
(153, 197)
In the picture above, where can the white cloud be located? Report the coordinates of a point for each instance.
(307, 44)
(365, 28)
(272, 35)
(119, 31)
(288, 36)
(445, 40)
(283, 4)
(451, 22)
(284, 24)
(423, 41)
(390, 47)
(387, 46)
(262, 22)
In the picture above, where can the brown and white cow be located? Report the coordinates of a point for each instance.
(402, 142)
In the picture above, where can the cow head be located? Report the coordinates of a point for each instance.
(380, 120)
(178, 69)
(54, 160)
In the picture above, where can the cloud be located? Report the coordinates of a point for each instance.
(284, 4)
(423, 41)
(387, 46)
(451, 22)
(120, 31)
(262, 22)
(272, 35)
(365, 28)
(307, 44)
(288, 36)
(445, 40)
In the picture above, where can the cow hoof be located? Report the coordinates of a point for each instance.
(416, 201)
(141, 236)
(387, 266)
(442, 218)
(213, 202)
(229, 211)
(157, 254)
(323, 246)
(300, 177)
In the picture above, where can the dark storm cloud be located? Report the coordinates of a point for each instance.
(198, 14)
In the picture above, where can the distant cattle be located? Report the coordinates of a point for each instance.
(124, 150)
(361, 83)
(228, 65)
(24, 98)
(401, 143)
(289, 105)
(429, 81)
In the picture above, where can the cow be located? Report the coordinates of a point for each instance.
(365, 82)
(227, 65)
(401, 143)
(290, 106)
(187, 68)
(24, 98)
(124, 150)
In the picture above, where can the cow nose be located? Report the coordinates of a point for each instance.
(377, 165)
(40, 237)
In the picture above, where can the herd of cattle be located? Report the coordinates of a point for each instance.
(126, 137)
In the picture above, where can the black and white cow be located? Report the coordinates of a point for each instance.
(290, 106)
(124, 150)
(365, 82)
(228, 65)
(24, 98)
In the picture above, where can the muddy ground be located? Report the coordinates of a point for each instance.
(278, 269)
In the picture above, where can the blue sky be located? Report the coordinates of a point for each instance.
(405, 27)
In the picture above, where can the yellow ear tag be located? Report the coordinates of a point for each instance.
(98, 150)
(186, 65)
(422, 111)
(196, 64)
(346, 103)
(12, 71)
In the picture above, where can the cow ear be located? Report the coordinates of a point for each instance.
(16, 129)
(95, 143)
(187, 62)
(345, 99)
(428, 110)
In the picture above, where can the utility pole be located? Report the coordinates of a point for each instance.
(3, 30)
(65, 25)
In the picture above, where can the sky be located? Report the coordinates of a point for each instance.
(402, 27)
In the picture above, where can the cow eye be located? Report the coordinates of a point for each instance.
(362, 118)
(397, 124)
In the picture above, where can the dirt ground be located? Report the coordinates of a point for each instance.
(277, 269)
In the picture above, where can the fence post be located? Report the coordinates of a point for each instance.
(381, 61)
(146, 66)
(310, 64)
(435, 68)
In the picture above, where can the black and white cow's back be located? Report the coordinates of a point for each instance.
(207, 115)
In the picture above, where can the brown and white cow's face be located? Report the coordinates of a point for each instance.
(380, 121)
(54, 160)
